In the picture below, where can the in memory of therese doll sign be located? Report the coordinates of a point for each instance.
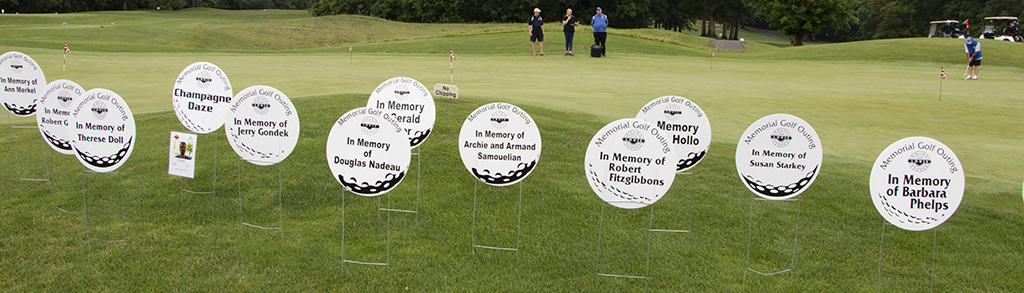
(54, 121)
(368, 151)
(22, 82)
(779, 156)
(630, 163)
(409, 103)
(917, 183)
(263, 126)
(684, 123)
(499, 144)
(103, 135)
(201, 97)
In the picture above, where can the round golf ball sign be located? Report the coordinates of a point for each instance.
(684, 123)
(103, 135)
(630, 163)
(917, 183)
(22, 82)
(57, 103)
(409, 103)
(499, 144)
(263, 126)
(368, 152)
(779, 156)
(201, 97)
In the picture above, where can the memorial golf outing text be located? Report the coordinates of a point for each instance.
(778, 156)
(768, 158)
(924, 192)
(22, 82)
(403, 112)
(630, 163)
(254, 126)
(917, 183)
(106, 130)
(409, 103)
(365, 160)
(499, 144)
(491, 143)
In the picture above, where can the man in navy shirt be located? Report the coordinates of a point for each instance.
(973, 49)
(600, 23)
(536, 32)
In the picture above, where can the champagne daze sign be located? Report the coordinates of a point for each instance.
(917, 183)
(779, 156)
(103, 135)
(368, 151)
(499, 144)
(685, 123)
(58, 101)
(21, 82)
(201, 97)
(409, 103)
(630, 163)
(263, 127)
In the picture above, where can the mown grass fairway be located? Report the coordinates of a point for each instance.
(860, 97)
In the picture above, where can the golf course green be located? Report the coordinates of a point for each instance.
(859, 97)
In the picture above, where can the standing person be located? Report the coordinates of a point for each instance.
(569, 29)
(973, 49)
(600, 23)
(536, 29)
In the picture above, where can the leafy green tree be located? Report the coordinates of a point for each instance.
(805, 17)
(896, 19)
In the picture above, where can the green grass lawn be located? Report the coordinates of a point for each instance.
(860, 97)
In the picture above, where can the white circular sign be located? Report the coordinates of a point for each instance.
(779, 156)
(263, 126)
(21, 83)
(368, 151)
(630, 163)
(201, 97)
(499, 144)
(410, 103)
(103, 130)
(917, 183)
(684, 123)
(54, 121)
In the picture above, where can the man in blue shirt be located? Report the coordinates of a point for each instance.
(600, 23)
(973, 49)
(536, 28)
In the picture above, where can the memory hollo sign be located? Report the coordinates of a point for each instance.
(21, 83)
(499, 144)
(103, 135)
(630, 163)
(201, 97)
(408, 102)
(368, 151)
(779, 156)
(58, 101)
(263, 126)
(685, 124)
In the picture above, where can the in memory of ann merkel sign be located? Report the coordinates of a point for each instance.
(684, 123)
(262, 126)
(58, 101)
(103, 135)
(201, 97)
(917, 183)
(630, 163)
(779, 156)
(499, 144)
(368, 152)
(22, 82)
(409, 103)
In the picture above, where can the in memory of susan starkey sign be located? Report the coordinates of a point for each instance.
(22, 82)
(917, 183)
(263, 126)
(409, 103)
(499, 144)
(201, 97)
(103, 135)
(368, 151)
(54, 120)
(779, 156)
(630, 163)
(685, 124)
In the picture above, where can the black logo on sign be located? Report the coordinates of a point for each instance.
(16, 66)
(919, 161)
(64, 97)
(203, 79)
(672, 112)
(633, 140)
(499, 120)
(99, 110)
(781, 137)
(369, 125)
(261, 105)
(402, 92)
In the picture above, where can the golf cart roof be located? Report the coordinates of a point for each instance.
(1001, 17)
(945, 21)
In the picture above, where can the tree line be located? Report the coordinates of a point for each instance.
(65, 6)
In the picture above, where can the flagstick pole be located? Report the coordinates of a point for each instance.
(940, 85)
(65, 64)
(451, 71)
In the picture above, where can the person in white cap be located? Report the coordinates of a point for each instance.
(536, 29)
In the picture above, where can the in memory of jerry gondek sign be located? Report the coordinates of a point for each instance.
(368, 152)
(500, 144)
(917, 183)
(630, 163)
(103, 135)
(21, 83)
(409, 103)
(263, 126)
(201, 97)
(779, 156)
(58, 101)
(684, 123)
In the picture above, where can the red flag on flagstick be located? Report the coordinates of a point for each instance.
(350, 48)
(712, 53)
(66, 48)
(64, 65)
(943, 73)
(451, 66)
(943, 70)
(967, 23)
(452, 54)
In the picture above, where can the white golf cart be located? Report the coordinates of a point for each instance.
(1001, 28)
(945, 28)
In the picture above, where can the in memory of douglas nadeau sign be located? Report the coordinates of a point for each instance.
(263, 126)
(368, 152)
(499, 144)
(779, 156)
(685, 124)
(103, 135)
(21, 83)
(630, 163)
(201, 97)
(409, 103)
(54, 118)
(917, 183)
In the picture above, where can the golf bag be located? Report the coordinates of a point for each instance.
(595, 51)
